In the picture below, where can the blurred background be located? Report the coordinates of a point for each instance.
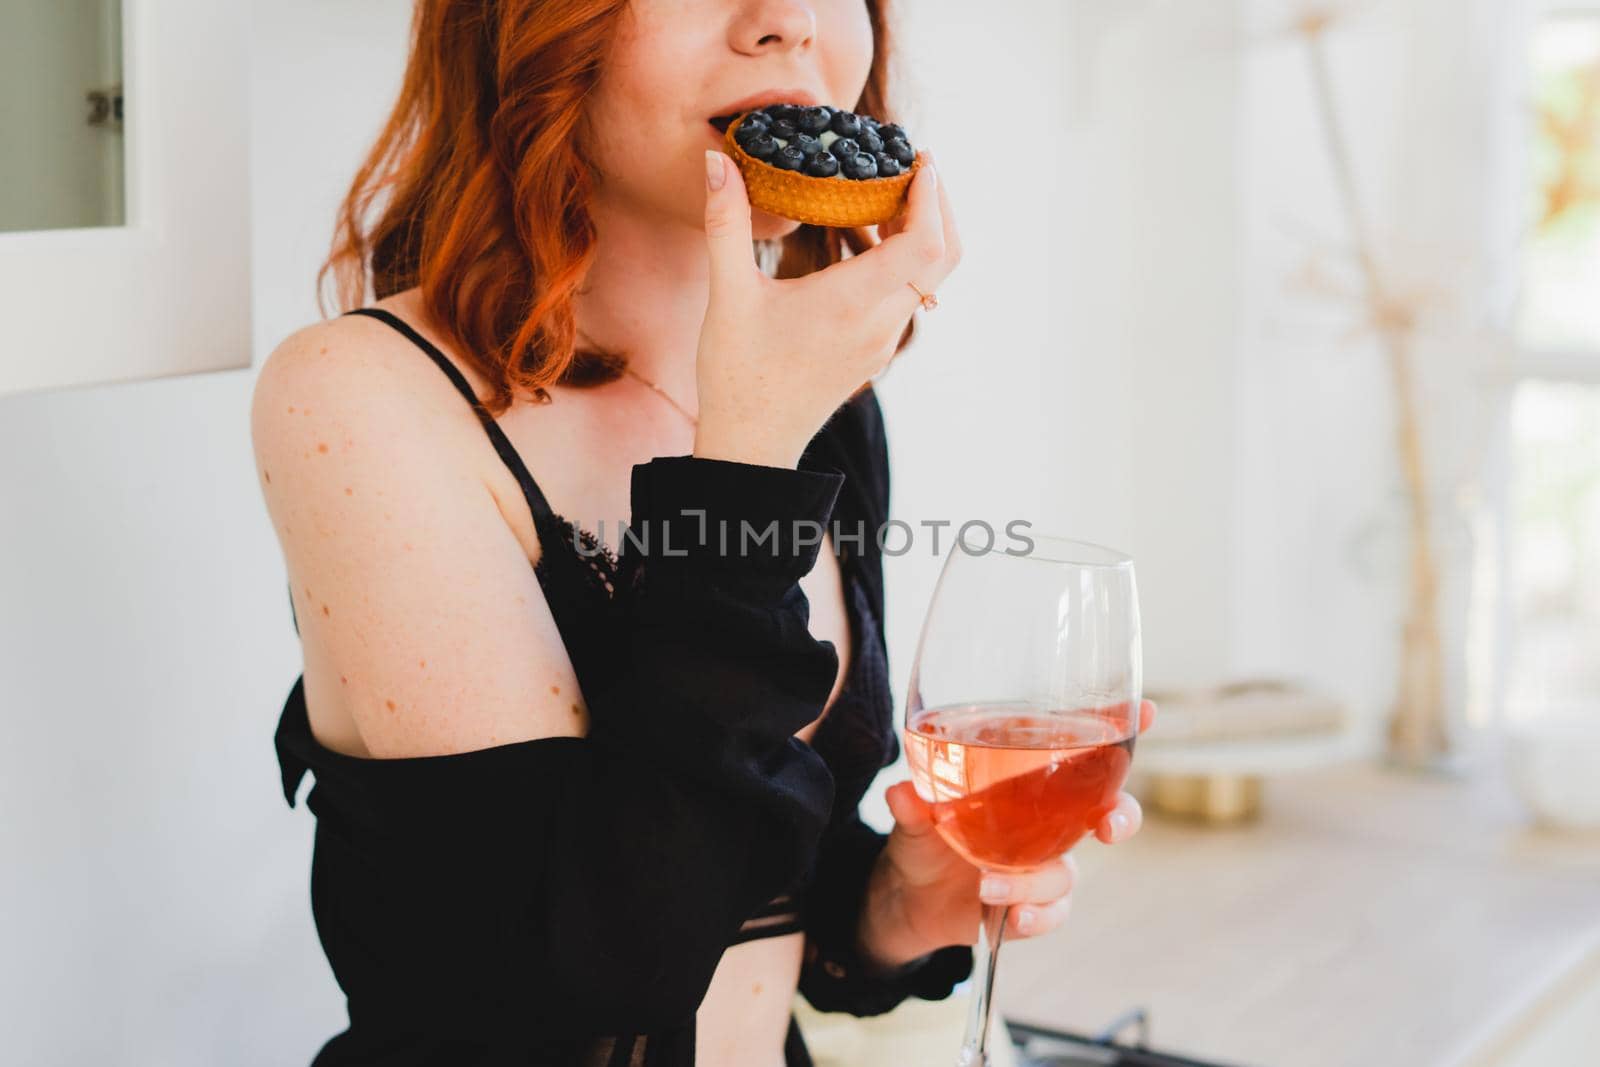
(1299, 303)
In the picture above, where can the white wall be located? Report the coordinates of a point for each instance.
(153, 898)
(1079, 370)
(1319, 530)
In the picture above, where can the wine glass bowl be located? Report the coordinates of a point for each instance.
(1023, 710)
(1014, 786)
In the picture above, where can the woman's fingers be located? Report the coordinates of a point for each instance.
(914, 253)
(1035, 887)
(917, 252)
(1147, 715)
(727, 223)
(1031, 920)
(947, 215)
(902, 221)
(911, 813)
(1122, 821)
(1039, 899)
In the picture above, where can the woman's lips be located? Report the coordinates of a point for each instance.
(797, 97)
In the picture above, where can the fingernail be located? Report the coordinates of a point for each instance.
(993, 890)
(716, 175)
(933, 172)
(1119, 824)
(1026, 918)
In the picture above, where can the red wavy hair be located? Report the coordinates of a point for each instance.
(486, 182)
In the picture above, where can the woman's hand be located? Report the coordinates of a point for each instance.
(923, 895)
(777, 358)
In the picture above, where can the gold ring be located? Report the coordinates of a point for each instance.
(929, 301)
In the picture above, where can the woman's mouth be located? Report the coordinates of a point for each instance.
(722, 122)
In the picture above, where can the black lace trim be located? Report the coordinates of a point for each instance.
(599, 564)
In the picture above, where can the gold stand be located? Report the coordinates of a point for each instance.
(1208, 798)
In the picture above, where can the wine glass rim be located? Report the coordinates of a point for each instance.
(1073, 551)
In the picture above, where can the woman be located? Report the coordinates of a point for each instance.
(603, 810)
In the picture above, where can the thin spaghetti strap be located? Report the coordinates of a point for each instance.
(530, 489)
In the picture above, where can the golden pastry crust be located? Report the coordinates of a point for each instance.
(819, 201)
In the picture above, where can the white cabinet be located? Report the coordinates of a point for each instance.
(124, 245)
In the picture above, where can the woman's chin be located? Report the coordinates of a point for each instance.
(765, 226)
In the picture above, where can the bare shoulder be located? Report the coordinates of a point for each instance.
(418, 608)
(354, 368)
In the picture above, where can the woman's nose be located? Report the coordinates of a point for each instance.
(773, 26)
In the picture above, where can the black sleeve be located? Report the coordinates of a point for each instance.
(590, 885)
(700, 804)
(835, 976)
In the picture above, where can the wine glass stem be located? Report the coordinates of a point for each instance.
(975, 1049)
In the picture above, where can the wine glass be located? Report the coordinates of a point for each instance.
(1022, 712)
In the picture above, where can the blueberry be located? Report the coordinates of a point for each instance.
(814, 120)
(870, 141)
(764, 146)
(784, 111)
(783, 129)
(788, 158)
(844, 148)
(899, 151)
(755, 119)
(748, 132)
(822, 165)
(869, 123)
(892, 130)
(861, 166)
(807, 144)
(888, 166)
(845, 124)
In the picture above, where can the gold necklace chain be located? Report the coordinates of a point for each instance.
(662, 393)
(652, 386)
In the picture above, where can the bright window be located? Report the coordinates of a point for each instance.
(1554, 499)
(1560, 305)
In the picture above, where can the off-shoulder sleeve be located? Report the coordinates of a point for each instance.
(835, 975)
(590, 885)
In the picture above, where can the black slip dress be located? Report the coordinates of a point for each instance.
(564, 901)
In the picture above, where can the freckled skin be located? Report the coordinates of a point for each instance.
(325, 610)
(343, 680)
(268, 475)
(389, 704)
(349, 491)
(555, 690)
(322, 447)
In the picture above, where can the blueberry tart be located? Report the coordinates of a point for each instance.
(822, 166)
